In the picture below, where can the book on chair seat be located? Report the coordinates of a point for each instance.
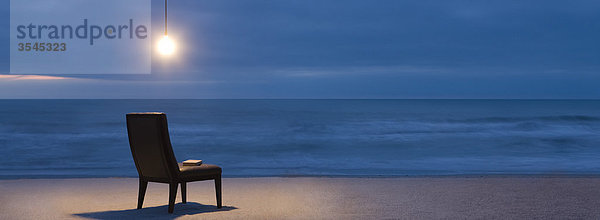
(192, 162)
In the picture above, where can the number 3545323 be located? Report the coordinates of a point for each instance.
(42, 47)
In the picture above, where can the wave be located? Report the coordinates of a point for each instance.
(288, 137)
(558, 118)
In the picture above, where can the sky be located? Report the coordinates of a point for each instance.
(515, 49)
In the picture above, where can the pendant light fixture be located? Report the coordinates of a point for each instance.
(166, 46)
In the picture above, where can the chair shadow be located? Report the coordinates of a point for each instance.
(157, 212)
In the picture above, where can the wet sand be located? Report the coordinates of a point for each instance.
(488, 197)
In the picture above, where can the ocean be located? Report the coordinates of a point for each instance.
(88, 138)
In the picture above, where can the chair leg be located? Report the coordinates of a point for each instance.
(172, 195)
(183, 192)
(218, 191)
(142, 192)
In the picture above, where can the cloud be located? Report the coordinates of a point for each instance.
(372, 71)
(29, 77)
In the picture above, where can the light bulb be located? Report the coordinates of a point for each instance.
(166, 46)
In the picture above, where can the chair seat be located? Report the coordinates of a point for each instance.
(198, 171)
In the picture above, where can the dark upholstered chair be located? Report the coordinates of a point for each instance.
(154, 159)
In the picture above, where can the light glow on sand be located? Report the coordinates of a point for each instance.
(166, 46)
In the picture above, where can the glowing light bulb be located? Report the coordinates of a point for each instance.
(166, 46)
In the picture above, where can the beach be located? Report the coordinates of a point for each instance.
(427, 197)
(299, 109)
(309, 159)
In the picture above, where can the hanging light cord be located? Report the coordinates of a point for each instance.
(165, 17)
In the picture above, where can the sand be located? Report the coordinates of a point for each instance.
(488, 197)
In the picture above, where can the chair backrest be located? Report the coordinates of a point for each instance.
(151, 147)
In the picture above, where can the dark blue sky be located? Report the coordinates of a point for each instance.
(355, 49)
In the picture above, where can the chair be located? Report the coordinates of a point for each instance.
(155, 162)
